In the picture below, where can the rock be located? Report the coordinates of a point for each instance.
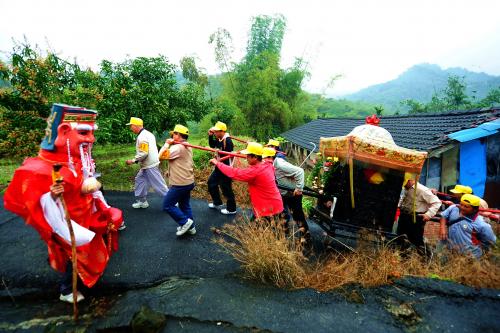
(148, 321)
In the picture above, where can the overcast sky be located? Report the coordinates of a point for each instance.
(368, 42)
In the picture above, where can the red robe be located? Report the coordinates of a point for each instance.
(32, 180)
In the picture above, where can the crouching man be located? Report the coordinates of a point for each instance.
(467, 232)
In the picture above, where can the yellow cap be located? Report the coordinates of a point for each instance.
(408, 176)
(180, 129)
(471, 199)
(135, 121)
(253, 148)
(461, 189)
(268, 152)
(273, 142)
(219, 126)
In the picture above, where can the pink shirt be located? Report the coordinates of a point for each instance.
(264, 193)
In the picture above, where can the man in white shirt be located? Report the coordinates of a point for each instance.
(426, 206)
(147, 156)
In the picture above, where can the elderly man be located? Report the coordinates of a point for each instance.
(264, 193)
(220, 139)
(147, 156)
(457, 192)
(426, 206)
(275, 144)
(180, 178)
(292, 177)
(467, 231)
(47, 197)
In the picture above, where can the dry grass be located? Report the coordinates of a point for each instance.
(266, 255)
(264, 252)
(201, 189)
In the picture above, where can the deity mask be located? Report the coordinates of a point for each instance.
(70, 133)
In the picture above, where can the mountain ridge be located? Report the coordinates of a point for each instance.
(420, 82)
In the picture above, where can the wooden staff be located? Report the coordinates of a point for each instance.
(58, 179)
(229, 156)
(213, 150)
(490, 210)
(237, 139)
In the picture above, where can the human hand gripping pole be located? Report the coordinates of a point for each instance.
(57, 179)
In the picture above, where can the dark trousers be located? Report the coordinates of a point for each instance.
(413, 231)
(66, 282)
(293, 204)
(216, 179)
(182, 196)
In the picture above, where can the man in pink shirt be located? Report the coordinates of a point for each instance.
(264, 193)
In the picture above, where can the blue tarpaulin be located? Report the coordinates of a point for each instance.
(481, 131)
(473, 165)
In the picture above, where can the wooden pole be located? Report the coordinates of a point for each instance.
(237, 139)
(56, 177)
(213, 150)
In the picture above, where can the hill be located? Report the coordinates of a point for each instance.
(420, 82)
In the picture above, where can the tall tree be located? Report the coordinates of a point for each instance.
(223, 49)
(266, 94)
(194, 74)
(455, 96)
(266, 35)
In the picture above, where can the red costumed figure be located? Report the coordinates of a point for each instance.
(33, 195)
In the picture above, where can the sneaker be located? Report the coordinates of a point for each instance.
(69, 297)
(140, 204)
(122, 227)
(226, 212)
(191, 231)
(184, 228)
(214, 206)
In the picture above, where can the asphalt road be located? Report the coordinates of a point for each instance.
(196, 287)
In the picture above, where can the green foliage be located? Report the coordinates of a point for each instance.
(141, 87)
(224, 110)
(223, 48)
(145, 88)
(453, 97)
(255, 96)
(492, 99)
(454, 94)
(201, 158)
(341, 108)
(266, 36)
(307, 204)
(379, 109)
(20, 132)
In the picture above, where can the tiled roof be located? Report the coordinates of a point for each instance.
(422, 132)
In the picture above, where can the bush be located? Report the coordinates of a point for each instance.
(20, 132)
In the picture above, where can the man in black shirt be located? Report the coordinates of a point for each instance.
(219, 139)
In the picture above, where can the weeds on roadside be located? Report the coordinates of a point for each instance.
(268, 256)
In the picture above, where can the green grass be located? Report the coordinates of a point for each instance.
(110, 162)
(7, 168)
